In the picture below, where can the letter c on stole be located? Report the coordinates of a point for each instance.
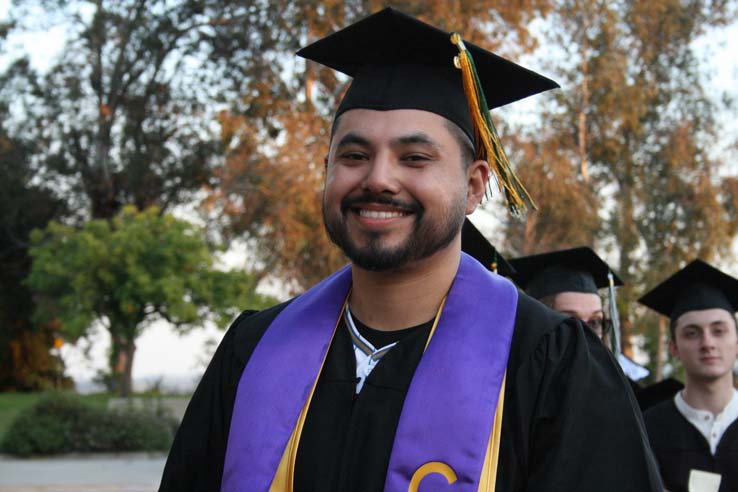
(432, 467)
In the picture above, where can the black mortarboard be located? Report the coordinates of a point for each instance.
(697, 286)
(475, 244)
(399, 62)
(567, 270)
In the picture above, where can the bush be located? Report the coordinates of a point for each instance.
(62, 423)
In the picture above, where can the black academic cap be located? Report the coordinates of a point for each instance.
(399, 62)
(658, 392)
(567, 270)
(475, 244)
(697, 286)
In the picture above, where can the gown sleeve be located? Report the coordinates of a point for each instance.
(573, 422)
(197, 455)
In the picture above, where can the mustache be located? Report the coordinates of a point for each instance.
(379, 199)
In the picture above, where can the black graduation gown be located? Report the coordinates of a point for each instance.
(679, 447)
(569, 420)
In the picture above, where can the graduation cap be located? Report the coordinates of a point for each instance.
(569, 270)
(697, 286)
(475, 244)
(399, 62)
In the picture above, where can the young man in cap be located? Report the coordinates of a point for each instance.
(414, 368)
(695, 435)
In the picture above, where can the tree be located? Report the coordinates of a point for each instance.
(270, 187)
(125, 115)
(125, 273)
(639, 130)
(558, 190)
(25, 359)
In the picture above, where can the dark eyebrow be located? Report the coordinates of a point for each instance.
(352, 138)
(693, 326)
(413, 138)
(416, 138)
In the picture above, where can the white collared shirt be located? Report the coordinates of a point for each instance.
(712, 427)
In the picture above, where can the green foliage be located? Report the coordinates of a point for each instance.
(25, 361)
(129, 271)
(122, 116)
(12, 405)
(63, 423)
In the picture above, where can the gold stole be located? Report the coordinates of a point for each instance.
(284, 477)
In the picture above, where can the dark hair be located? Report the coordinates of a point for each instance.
(548, 300)
(465, 144)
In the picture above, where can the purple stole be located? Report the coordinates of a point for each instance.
(448, 411)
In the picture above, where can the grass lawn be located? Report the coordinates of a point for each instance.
(12, 404)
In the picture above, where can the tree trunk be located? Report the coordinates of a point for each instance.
(628, 241)
(121, 365)
(125, 358)
(529, 239)
(582, 123)
(660, 349)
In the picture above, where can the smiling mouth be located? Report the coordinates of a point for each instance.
(380, 214)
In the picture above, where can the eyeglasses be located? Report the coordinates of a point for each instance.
(600, 326)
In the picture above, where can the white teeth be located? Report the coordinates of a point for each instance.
(376, 214)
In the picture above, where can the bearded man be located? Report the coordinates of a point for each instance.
(415, 367)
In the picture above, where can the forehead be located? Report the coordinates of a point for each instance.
(704, 317)
(390, 124)
(578, 302)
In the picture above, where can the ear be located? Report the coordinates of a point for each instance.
(673, 350)
(477, 175)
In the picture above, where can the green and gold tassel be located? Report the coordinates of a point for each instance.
(487, 142)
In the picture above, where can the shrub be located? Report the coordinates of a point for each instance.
(62, 423)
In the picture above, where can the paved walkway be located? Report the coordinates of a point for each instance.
(131, 472)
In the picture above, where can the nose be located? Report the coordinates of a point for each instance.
(708, 340)
(381, 175)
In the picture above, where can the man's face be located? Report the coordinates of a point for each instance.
(582, 305)
(396, 190)
(706, 342)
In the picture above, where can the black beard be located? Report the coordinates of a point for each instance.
(424, 240)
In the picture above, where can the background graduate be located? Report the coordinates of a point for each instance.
(695, 434)
(414, 367)
(569, 281)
